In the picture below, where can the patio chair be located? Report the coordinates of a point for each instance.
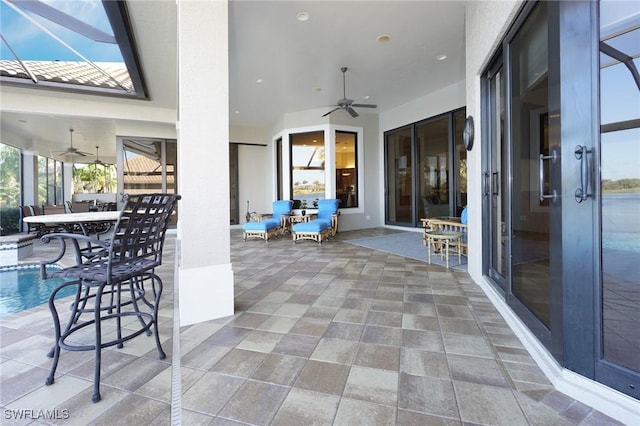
(270, 224)
(117, 284)
(31, 227)
(321, 228)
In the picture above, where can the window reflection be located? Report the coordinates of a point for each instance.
(346, 169)
(307, 167)
(620, 181)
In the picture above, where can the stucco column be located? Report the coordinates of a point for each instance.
(205, 275)
(30, 176)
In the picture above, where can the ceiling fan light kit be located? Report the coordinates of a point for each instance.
(345, 103)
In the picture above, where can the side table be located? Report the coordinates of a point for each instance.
(443, 240)
(301, 218)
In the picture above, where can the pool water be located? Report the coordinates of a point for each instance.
(23, 288)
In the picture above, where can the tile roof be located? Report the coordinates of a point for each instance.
(77, 73)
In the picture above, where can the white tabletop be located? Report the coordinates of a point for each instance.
(74, 217)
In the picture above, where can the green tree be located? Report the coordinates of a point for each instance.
(9, 176)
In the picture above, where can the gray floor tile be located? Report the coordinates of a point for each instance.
(260, 341)
(209, 394)
(335, 350)
(355, 316)
(353, 412)
(382, 335)
(417, 362)
(427, 395)
(310, 327)
(385, 319)
(239, 362)
(373, 385)
(467, 345)
(255, 403)
(482, 404)
(302, 407)
(133, 410)
(342, 330)
(279, 369)
(378, 356)
(323, 377)
(277, 324)
(292, 344)
(482, 371)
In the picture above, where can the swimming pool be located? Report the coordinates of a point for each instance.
(22, 288)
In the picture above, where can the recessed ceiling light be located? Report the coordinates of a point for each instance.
(259, 80)
(236, 112)
(383, 38)
(441, 57)
(366, 97)
(302, 16)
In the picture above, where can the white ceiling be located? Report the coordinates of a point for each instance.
(292, 58)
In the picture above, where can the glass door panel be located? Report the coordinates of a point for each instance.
(234, 205)
(399, 177)
(532, 163)
(619, 197)
(496, 182)
(433, 163)
(460, 165)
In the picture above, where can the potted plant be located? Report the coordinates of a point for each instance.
(303, 207)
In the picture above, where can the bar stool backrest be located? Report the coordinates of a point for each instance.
(138, 236)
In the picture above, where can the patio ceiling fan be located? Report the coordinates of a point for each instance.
(98, 160)
(73, 150)
(347, 104)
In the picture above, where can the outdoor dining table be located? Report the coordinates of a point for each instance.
(68, 221)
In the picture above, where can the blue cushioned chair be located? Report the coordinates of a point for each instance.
(270, 225)
(323, 227)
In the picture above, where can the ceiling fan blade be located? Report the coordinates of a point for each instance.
(335, 109)
(365, 105)
(352, 111)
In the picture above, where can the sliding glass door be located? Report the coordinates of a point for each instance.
(426, 170)
(561, 190)
(399, 177)
(495, 177)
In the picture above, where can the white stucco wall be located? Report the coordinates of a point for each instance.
(431, 104)
(255, 169)
(205, 272)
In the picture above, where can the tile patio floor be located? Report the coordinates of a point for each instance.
(331, 334)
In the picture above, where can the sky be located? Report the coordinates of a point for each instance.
(31, 43)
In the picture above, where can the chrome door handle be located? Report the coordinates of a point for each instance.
(485, 189)
(583, 192)
(494, 184)
(543, 157)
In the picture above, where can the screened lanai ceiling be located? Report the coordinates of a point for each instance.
(69, 45)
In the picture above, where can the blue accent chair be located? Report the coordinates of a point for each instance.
(272, 224)
(324, 226)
